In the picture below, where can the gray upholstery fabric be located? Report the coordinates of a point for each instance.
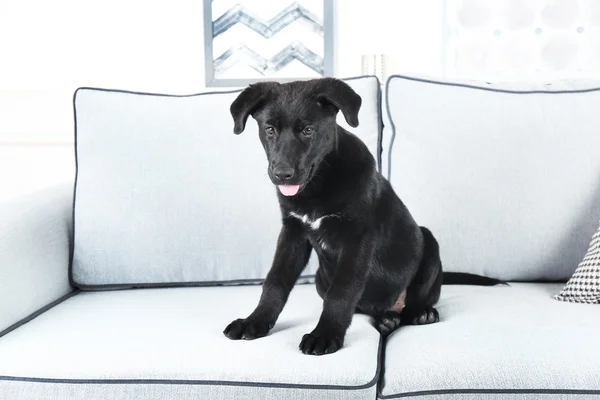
(517, 339)
(165, 391)
(168, 344)
(35, 236)
(167, 194)
(509, 182)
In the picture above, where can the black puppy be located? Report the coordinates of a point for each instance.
(373, 257)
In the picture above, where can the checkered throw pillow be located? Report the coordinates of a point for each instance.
(584, 285)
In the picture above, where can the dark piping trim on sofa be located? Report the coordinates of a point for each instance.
(38, 312)
(157, 285)
(367, 385)
(462, 85)
(488, 391)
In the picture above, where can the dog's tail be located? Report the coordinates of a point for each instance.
(456, 278)
(461, 278)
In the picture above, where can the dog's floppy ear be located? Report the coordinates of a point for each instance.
(247, 102)
(343, 97)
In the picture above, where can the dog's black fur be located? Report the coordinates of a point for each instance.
(370, 248)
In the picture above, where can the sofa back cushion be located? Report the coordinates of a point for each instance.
(167, 195)
(507, 177)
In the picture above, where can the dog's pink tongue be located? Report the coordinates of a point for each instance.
(288, 190)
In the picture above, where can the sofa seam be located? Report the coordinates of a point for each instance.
(372, 383)
(490, 89)
(462, 85)
(392, 125)
(126, 91)
(164, 285)
(486, 391)
(72, 250)
(38, 312)
(379, 126)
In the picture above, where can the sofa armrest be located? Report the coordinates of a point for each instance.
(36, 234)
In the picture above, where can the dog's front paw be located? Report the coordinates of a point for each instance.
(247, 329)
(319, 344)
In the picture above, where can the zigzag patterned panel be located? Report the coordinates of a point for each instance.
(239, 14)
(258, 39)
(295, 51)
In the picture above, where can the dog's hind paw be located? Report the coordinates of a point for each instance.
(428, 316)
(388, 322)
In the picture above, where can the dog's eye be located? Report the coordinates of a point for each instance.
(308, 131)
(270, 130)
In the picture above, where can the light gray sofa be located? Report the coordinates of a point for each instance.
(123, 290)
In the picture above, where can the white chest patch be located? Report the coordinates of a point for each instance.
(313, 223)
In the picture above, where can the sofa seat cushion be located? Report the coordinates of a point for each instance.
(513, 342)
(168, 344)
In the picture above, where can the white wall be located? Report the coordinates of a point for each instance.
(25, 168)
(410, 32)
(533, 40)
(49, 48)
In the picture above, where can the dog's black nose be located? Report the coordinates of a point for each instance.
(283, 173)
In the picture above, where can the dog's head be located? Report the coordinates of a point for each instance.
(297, 124)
